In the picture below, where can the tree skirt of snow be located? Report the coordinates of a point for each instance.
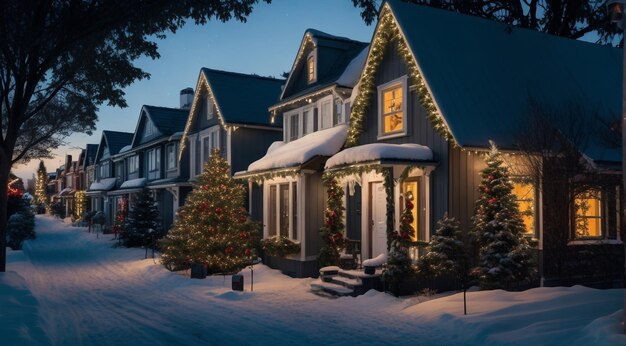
(320, 143)
(86, 292)
(379, 151)
(105, 184)
(376, 261)
(134, 183)
(352, 73)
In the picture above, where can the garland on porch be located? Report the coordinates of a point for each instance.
(333, 229)
(261, 177)
(388, 32)
(330, 181)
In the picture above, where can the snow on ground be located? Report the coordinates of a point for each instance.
(84, 291)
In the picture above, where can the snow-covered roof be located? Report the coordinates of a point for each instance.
(321, 143)
(134, 183)
(380, 151)
(125, 148)
(65, 191)
(352, 73)
(104, 185)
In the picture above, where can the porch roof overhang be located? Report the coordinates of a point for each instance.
(398, 165)
(315, 164)
(124, 191)
(105, 184)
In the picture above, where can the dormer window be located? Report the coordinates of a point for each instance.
(392, 97)
(311, 71)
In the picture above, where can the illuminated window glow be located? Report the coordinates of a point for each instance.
(524, 192)
(588, 215)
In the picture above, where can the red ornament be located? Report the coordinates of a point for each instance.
(218, 211)
(492, 200)
(487, 190)
(228, 250)
(409, 205)
(490, 177)
(242, 219)
(248, 252)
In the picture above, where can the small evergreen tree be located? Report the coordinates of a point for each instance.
(41, 193)
(212, 227)
(142, 226)
(504, 253)
(399, 266)
(445, 252)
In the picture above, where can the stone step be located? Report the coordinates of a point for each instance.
(331, 288)
(350, 283)
(358, 274)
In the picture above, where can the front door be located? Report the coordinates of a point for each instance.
(378, 219)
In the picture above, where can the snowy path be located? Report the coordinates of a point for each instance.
(90, 293)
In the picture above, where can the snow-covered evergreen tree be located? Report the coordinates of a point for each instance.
(445, 254)
(213, 227)
(142, 226)
(504, 254)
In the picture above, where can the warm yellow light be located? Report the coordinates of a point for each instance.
(525, 196)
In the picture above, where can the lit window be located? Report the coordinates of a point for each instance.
(524, 192)
(311, 68)
(588, 216)
(410, 190)
(392, 112)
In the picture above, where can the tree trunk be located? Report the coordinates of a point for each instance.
(5, 167)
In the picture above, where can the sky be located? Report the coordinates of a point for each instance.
(266, 45)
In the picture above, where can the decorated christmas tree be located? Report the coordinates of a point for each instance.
(120, 218)
(212, 227)
(142, 226)
(399, 264)
(504, 254)
(332, 232)
(41, 195)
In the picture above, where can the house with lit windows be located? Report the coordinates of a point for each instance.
(452, 99)
(314, 107)
(106, 179)
(435, 88)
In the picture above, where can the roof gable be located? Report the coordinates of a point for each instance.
(164, 121)
(334, 54)
(113, 141)
(477, 78)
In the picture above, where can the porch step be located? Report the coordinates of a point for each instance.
(330, 288)
(359, 274)
(350, 283)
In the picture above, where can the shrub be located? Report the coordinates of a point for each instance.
(58, 209)
(279, 246)
(21, 226)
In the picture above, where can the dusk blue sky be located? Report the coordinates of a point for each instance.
(266, 45)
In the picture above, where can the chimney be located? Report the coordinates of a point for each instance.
(186, 98)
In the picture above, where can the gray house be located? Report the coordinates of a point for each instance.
(314, 107)
(151, 159)
(106, 180)
(425, 111)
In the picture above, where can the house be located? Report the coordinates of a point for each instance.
(151, 159)
(106, 179)
(314, 107)
(230, 113)
(87, 167)
(436, 87)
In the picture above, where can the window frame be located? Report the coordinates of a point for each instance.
(154, 160)
(210, 134)
(274, 206)
(601, 217)
(133, 164)
(311, 59)
(393, 84)
(535, 203)
(210, 108)
(171, 156)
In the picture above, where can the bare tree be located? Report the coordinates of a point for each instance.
(553, 142)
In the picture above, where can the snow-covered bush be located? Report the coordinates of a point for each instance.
(58, 209)
(21, 226)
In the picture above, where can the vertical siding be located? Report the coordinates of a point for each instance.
(465, 167)
(419, 130)
(314, 215)
(249, 145)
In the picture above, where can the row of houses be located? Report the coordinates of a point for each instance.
(410, 113)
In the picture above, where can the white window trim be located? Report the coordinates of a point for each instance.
(210, 107)
(327, 99)
(167, 159)
(403, 81)
(206, 133)
(157, 159)
(604, 223)
(312, 54)
(266, 211)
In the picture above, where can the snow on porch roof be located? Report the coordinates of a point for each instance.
(321, 143)
(380, 151)
(134, 183)
(104, 185)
